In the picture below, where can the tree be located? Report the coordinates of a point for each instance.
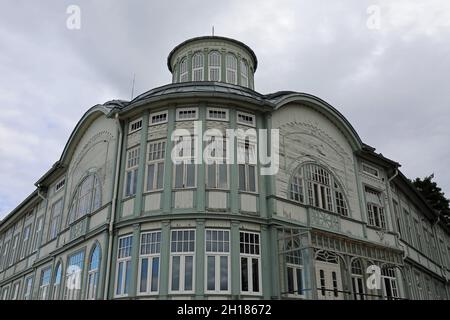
(434, 196)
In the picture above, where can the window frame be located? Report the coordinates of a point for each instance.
(217, 255)
(249, 257)
(186, 163)
(74, 294)
(150, 259)
(133, 123)
(93, 274)
(186, 109)
(246, 114)
(375, 215)
(184, 74)
(44, 288)
(230, 59)
(182, 263)
(217, 68)
(55, 219)
(150, 160)
(217, 109)
(131, 171)
(198, 68)
(244, 66)
(157, 114)
(126, 270)
(28, 284)
(370, 167)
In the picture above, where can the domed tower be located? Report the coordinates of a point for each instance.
(213, 58)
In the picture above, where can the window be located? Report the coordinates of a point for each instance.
(123, 269)
(183, 70)
(185, 170)
(250, 259)
(244, 73)
(158, 118)
(132, 171)
(197, 67)
(15, 291)
(60, 185)
(216, 165)
(370, 170)
(28, 288)
(73, 276)
(408, 226)
(149, 258)
(217, 244)
(187, 114)
(136, 125)
(57, 282)
(182, 250)
(93, 270)
(37, 233)
(247, 165)
(317, 187)
(294, 268)
(375, 208)
(246, 119)
(4, 260)
(418, 235)
(357, 280)
(155, 165)
(86, 199)
(55, 219)
(217, 114)
(214, 66)
(45, 284)
(5, 293)
(13, 253)
(420, 293)
(25, 241)
(390, 288)
(397, 218)
(231, 67)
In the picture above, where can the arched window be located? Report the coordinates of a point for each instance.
(183, 70)
(315, 186)
(57, 282)
(244, 73)
(197, 67)
(357, 280)
(94, 265)
(231, 69)
(86, 199)
(214, 66)
(389, 281)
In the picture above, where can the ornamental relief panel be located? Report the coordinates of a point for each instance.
(324, 220)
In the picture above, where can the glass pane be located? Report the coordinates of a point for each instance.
(211, 175)
(211, 273)
(119, 278)
(128, 183)
(244, 274)
(242, 177)
(223, 177)
(127, 277)
(179, 176)
(190, 175)
(188, 273)
(176, 273)
(255, 274)
(251, 178)
(134, 181)
(150, 176)
(290, 278)
(144, 271)
(160, 180)
(299, 281)
(155, 274)
(224, 273)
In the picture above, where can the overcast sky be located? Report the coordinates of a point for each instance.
(388, 76)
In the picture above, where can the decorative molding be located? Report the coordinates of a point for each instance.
(325, 220)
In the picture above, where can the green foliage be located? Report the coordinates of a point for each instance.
(434, 196)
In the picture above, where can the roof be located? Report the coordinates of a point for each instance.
(206, 38)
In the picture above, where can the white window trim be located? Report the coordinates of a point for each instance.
(219, 67)
(44, 289)
(229, 69)
(249, 258)
(155, 163)
(302, 268)
(186, 73)
(195, 109)
(365, 164)
(25, 294)
(182, 265)
(217, 109)
(202, 68)
(124, 271)
(157, 114)
(150, 257)
(217, 256)
(130, 130)
(133, 169)
(253, 124)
